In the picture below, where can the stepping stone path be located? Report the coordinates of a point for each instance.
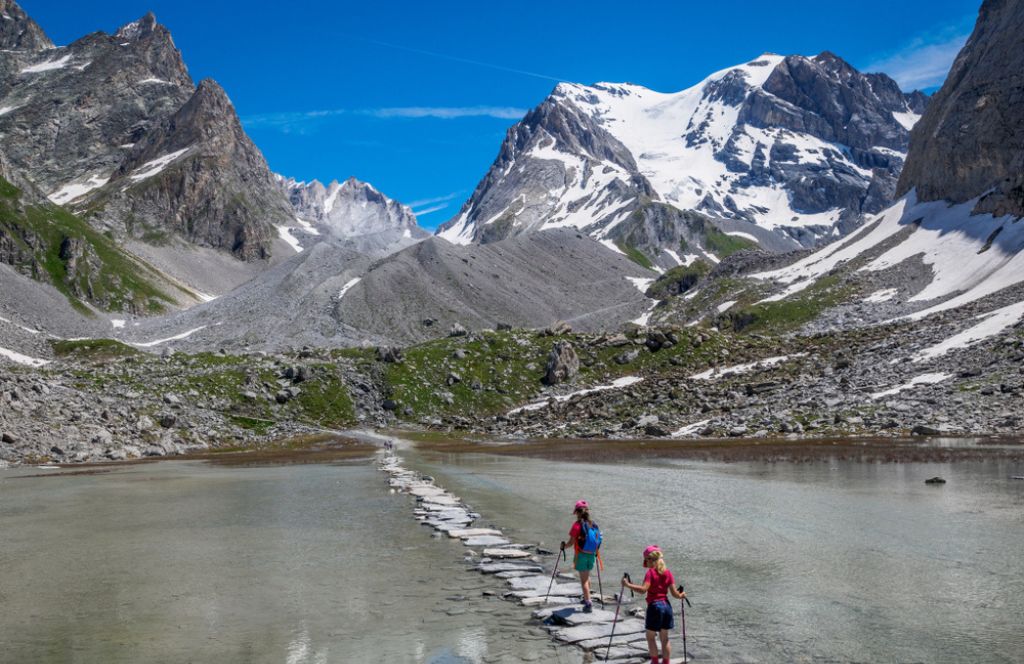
(520, 568)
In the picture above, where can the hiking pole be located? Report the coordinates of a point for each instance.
(553, 573)
(600, 589)
(682, 608)
(618, 603)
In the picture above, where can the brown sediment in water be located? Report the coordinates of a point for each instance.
(769, 450)
(313, 448)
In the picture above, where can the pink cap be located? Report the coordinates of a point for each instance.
(581, 505)
(651, 549)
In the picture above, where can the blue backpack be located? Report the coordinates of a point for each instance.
(590, 538)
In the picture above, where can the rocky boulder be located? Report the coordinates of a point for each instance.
(563, 364)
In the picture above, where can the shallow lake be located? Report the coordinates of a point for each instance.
(185, 561)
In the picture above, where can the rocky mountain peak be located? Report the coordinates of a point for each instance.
(349, 209)
(18, 32)
(974, 126)
(140, 29)
(198, 174)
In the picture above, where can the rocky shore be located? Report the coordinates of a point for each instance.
(101, 400)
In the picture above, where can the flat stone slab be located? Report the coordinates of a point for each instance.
(598, 631)
(513, 574)
(485, 540)
(636, 641)
(626, 652)
(534, 582)
(426, 490)
(506, 553)
(440, 501)
(495, 567)
(473, 532)
(572, 616)
(563, 590)
(449, 526)
(553, 600)
(443, 525)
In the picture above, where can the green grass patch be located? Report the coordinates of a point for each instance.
(104, 275)
(634, 254)
(722, 244)
(678, 280)
(508, 366)
(792, 312)
(93, 349)
(324, 400)
(256, 425)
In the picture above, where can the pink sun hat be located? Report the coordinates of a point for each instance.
(581, 505)
(651, 549)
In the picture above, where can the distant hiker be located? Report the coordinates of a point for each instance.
(586, 539)
(657, 584)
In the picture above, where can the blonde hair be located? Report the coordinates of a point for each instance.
(657, 559)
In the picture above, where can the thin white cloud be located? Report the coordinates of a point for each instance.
(435, 208)
(436, 199)
(924, 62)
(301, 122)
(448, 112)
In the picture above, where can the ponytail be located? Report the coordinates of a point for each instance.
(583, 514)
(659, 562)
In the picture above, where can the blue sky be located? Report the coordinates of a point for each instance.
(415, 97)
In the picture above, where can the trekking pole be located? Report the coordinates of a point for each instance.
(618, 603)
(553, 573)
(682, 608)
(600, 589)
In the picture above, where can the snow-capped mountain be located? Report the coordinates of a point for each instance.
(799, 146)
(352, 210)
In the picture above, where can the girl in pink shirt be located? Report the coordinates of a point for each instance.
(658, 583)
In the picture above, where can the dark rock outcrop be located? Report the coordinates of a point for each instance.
(974, 126)
(563, 364)
(217, 192)
(86, 123)
(18, 32)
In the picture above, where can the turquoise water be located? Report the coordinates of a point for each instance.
(190, 562)
(838, 562)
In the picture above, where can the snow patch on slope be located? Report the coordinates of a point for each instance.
(155, 166)
(75, 190)
(923, 379)
(285, 233)
(348, 286)
(18, 358)
(992, 323)
(49, 65)
(618, 383)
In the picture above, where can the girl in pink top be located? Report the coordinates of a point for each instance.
(658, 583)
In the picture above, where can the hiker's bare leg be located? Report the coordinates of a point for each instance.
(652, 644)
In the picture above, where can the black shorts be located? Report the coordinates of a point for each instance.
(659, 616)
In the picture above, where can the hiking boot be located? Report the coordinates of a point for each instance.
(588, 607)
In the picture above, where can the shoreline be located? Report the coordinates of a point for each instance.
(769, 450)
(362, 444)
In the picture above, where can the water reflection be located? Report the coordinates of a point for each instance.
(794, 562)
(181, 561)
